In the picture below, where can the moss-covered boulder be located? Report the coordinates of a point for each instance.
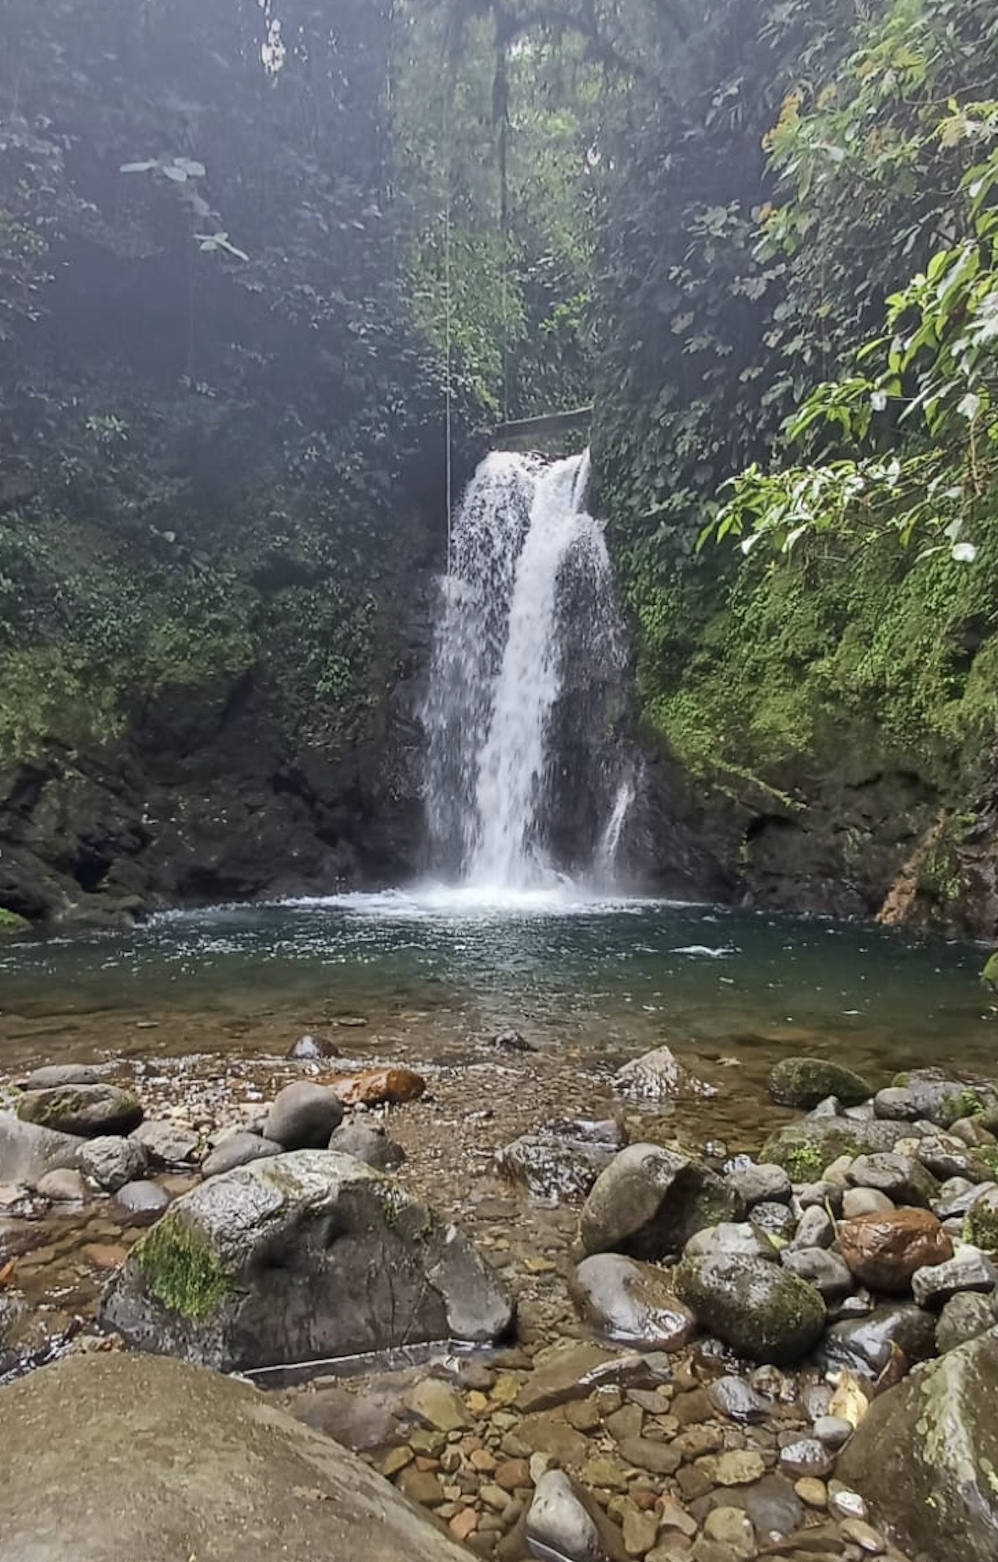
(650, 1200)
(761, 1310)
(11, 923)
(804, 1082)
(981, 1223)
(300, 1257)
(164, 1461)
(989, 975)
(926, 1455)
(804, 1149)
(87, 1110)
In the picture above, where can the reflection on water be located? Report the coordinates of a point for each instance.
(607, 973)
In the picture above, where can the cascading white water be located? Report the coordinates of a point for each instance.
(527, 655)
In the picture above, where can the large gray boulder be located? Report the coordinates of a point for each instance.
(649, 1202)
(926, 1453)
(28, 1153)
(300, 1257)
(160, 1460)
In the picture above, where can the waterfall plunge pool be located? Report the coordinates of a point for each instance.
(433, 971)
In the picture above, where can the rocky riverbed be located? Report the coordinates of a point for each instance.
(711, 1289)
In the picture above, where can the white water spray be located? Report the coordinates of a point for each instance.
(527, 662)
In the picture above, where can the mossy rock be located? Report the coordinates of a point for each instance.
(989, 976)
(804, 1149)
(758, 1308)
(181, 1268)
(804, 1082)
(981, 1223)
(11, 923)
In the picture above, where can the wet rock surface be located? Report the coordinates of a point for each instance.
(113, 1435)
(686, 1453)
(296, 1258)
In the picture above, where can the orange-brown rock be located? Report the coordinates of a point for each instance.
(884, 1249)
(379, 1086)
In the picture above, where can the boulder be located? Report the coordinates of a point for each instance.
(140, 1203)
(968, 1270)
(110, 1162)
(659, 1076)
(631, 1302)
(379, 1087)
(761, 1184)
(27, 1153)
(898, 1177)
(804, 1082)
(561, 1161)
(367, 1143)
(238, 1149)
(760, 1309)
(964, 1317)
(649, 1201)
(54, 1074)
(84, 1110)
(161, 1460)
(804, 1149)
(303, 1116)
(824, 1270)
(884, 1249)
(63, 1187)
(934, 1435)
(167, 1144)
(300, 1257)
(893, 1335)
(982, 1221)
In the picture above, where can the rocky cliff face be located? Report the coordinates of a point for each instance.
(288, 769)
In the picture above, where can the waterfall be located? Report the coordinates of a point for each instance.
(523, 784)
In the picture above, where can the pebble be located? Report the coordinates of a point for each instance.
(640, 1530)
(860, 1534)
(833, 1431)
(738, 1400)
(812, 1492)
(806, 1457)
(731, 1527)
(735, 1469)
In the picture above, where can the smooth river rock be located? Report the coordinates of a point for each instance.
(631, 1302)
(300, 1257)
(649, 1202)
(935, 1435)
(27, 1152)
(883, 1250)
(119, 1457)
(804, 1082)
(86, 1110)
(303, 1116)
(758, 1308)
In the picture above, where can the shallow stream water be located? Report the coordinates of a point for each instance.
(596, 976)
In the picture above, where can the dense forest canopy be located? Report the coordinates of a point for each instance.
(251, 255)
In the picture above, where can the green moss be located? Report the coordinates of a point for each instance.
(965, 1103)
(990, 973)
(901, 1081)
(181, 1269)
(988, 1153)
(10, 922)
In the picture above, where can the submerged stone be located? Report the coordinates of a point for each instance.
(805, 1082)
(298, 1258)
(562, 1160)
(659, 1076)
